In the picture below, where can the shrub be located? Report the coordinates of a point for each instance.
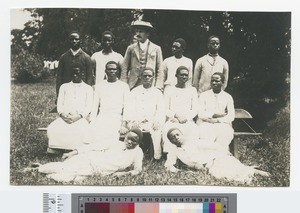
(28, 67)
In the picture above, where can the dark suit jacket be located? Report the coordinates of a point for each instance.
(130, 68)
(64, 71)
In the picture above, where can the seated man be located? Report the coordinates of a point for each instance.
(216, 112)
(145, 110)
(74, 104)
(211, 156)
(109, 99)
(90, 159)
(181, 103)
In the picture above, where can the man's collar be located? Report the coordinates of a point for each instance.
(75, 52)
(144, 45)
(213, 55)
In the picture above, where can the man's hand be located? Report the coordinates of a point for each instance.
(211, 120)
(181, 118)
(134, 124)
(219, 115)
(155, 126)
(173, 120)
(68, 155)
(123, 130)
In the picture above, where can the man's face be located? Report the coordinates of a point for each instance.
(176, 137)
(214, 45)
(216, 83)
(107, 41)
(74, 39)
(147, 78)
(76, 75)
(111, 71)
(131, 140)
(141, 34)
(182, 76)
(176, 48)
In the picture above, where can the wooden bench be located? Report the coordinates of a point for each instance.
(242, 115)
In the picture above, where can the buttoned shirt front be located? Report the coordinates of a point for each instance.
(145, 104)
(211, 103)
(75, 98)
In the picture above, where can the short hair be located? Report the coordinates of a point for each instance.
(221, 75)
(138, 132)
(112, 62)
(147, 68)
(170, 131)
(182, 42)
(212, 36)
(107, 32)
(74, 31)
(181, 68)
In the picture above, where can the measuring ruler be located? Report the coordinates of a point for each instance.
(139, 203)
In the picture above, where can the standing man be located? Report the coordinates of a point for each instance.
(208, 65)
(178, 59)
(74, 104)
(142, 54)
(146, 109)
(105, 55)
(75, 55)
(216, 112)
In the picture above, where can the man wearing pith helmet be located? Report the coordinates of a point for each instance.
(141, 54)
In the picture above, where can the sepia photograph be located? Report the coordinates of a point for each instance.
(139, 97)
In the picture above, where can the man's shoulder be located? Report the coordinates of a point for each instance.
(84, 54)
(65, 54)
(153, 45)
(96, 54)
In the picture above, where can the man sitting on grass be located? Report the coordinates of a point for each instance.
(211, 156)
(90, 160)
(74, 104)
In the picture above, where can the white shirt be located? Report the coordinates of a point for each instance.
(181, 101)
(144, 45)
(145, 104)
(75, 98)
(170, 66)
(211, 103)
(110, 98)
(101, 59)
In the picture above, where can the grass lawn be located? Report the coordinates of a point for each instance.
(30, 106)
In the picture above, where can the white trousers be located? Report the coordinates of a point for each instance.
(221, 133)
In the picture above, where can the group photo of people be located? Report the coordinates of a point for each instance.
(151, 99)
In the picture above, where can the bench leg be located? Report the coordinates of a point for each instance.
(234, 148)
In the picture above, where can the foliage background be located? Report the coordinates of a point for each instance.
(256, 45)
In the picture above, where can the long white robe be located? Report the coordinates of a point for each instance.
(109, 101)
(210, 104)
(94, 161)
(219, 162)
(74, 98)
